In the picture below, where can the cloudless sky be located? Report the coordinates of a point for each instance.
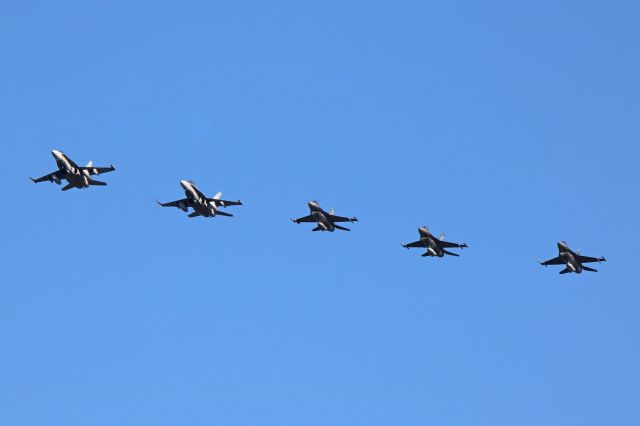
(508, 125)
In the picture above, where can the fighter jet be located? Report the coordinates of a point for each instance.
(435, 246)
(573, 261)
(76, 176)
(325, 221)
(201, 205)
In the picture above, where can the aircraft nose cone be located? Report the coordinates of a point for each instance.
(56, 153)
(184, 183)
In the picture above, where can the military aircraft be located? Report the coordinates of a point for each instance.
(435, 246)
(76, 176)
(201, 205)
(573, 261)
(326, 221)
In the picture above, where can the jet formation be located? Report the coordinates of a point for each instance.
(82, 177)
(572, 260)
(76, 176)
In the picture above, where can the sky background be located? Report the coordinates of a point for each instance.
(508, 125)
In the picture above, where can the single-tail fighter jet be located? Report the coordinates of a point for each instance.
(326, 221)
(572, 260)
(200, 203)
(76, 176)
(435, 246)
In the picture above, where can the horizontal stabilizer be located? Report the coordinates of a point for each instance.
(566, 271)
(221, 213)
(318, 228)
(586, 268)
(194, 214)
(68, 187)
(97, 183)
(450, 254)
(342, 228)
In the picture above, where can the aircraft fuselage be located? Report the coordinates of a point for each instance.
(200, 203)
(319, 216)
(571, 262)
(432, 247)
(72, 173)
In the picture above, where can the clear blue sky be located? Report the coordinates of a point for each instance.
(508, 126)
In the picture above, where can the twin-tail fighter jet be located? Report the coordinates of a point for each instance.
(435, 246)
(326, 221)
(76, 176)
(572, 260)
(200, 203)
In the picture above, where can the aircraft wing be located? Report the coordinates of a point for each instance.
(224, 202)
(304, 219)
(334, 218)
(446, 244)
(587, 259)
(185, 202)
(58, 173)
(98, 170)
(415, 244)
(554, 261)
